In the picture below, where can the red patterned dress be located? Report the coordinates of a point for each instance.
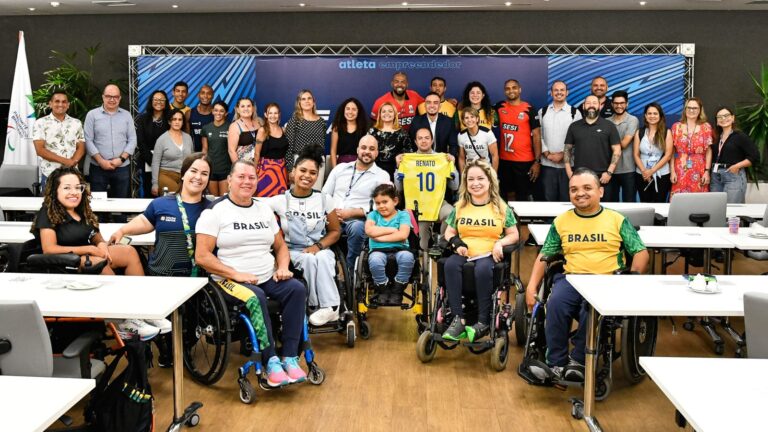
(690, 157)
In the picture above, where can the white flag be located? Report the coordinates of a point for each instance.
(19, 149)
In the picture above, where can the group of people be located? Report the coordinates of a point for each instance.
(432, 150)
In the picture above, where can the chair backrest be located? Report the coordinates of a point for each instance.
(18, 176)
(756, 324)
(763, 222)
(683, 205)
(22, 324)
(640, 216)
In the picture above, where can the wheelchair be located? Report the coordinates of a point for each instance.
(440, 315)
(624, 338)
(211, 323)
(415, 298)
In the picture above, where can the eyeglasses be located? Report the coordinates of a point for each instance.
(724, 117)
(77, 189)
(113, 97)
(158, 100)
(692, 108)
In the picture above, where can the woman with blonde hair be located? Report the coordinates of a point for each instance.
(692, 138)
(393, 140)
(241, 137)
(305, 127)
(269, 154)
(480, 225)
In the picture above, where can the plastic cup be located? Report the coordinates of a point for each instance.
(733, 225)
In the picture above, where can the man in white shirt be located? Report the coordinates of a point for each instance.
(350, 185)
(555, 119)
(58, 138)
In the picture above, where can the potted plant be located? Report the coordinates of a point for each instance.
(753, 120)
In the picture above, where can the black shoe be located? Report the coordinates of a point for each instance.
(531, 241)
(396, 295)
(456, 331)
(574, 372)
(477, 331)
(380, 293)
(164, 351)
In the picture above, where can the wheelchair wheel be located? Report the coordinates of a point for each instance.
(500, 353)
(603, 385)
(521, 319)
(351, 334)
(638, 339)
(247, 393)
(206, 335)
(426, 347)
(365, 330)
(316, 374)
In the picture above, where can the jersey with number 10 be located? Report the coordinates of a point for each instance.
(424, 179)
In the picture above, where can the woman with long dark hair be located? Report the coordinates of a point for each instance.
(349, 125)
(652, 151)
(150, 124)
(732, 152)
(476, 96)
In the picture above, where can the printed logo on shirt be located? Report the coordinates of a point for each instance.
(476, 222)
(169, 219)
(250, 226)
(307, 215)
(586, 238)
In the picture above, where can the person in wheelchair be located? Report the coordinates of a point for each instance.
(593, 240)
(243, 232)
(428, 189)
(173, 219)
(311, 227)
(478, 228)
(388, 229)
(66, 224)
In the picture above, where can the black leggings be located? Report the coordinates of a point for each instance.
(649, 193)
(483, 285)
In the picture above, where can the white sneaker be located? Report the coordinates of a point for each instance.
(128, 329)
(323, 315)
(163, 324)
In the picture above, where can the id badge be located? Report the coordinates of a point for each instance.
(715, 167)
(688, 164)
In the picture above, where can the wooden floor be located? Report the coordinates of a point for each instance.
(380, 385)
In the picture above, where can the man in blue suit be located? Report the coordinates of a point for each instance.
(442, 127)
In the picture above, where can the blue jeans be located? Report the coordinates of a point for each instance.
(377, 262)
(355, 231)
(43, 181)
(734, 185)
(554, 181)
(119, 181)
(454, 280)
(564, 305)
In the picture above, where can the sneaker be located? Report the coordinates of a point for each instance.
(396, 296)
(381, 293)
(574, 371)
(164, 350)
(292, 369)
(163, 324)
(130, 328)
(557, 373)
(477, 331)
(276, 376)
(323, 316)
(456, 331)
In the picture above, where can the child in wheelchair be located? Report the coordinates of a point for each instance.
(388, 230)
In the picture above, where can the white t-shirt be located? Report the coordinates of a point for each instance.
(476, 147)
(311, 208)
(244, 236)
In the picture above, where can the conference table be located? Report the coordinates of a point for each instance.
(34, 403)
(547, 209)
(714, 394)
(118, 297)
(18, 232)
(651, 295)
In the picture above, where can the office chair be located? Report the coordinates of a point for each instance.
(759, 255)
(22, 177)
(756, 324)
(640, 217)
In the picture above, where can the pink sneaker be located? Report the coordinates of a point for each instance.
(276, 376)
(295, 373)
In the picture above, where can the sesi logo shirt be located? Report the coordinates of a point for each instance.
(516, 123)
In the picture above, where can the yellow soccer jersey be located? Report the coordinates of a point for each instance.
(592, 244)
(424, 178)
(480, 226)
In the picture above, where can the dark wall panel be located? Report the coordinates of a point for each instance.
(728, 44)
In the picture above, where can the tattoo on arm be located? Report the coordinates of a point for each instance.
(615, 158)
(568, 153)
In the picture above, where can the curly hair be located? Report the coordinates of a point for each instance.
(465, 198)
(57, 214)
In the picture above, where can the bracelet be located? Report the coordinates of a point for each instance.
(609, 173)
(319, 245)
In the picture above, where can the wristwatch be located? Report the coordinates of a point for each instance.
(609, 173)
(122, 158)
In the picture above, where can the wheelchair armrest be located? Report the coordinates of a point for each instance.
(553, 258)
(81, 348)
(3, 247)
(510, 249)
(69, 260)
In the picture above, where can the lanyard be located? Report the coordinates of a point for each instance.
(720, 147)
(352, 181)
(187, 234)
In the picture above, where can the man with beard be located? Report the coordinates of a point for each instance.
(199, 116)
(593, 143)
(405, 101)
(350, 185)
(593, 240)
(520, 144)
(447, 106)
(599, 88)
(442, 127)
(623, 180)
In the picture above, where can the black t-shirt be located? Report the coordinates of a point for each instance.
(68, 233)
(592, 143)
(347, 144)
(737, 147)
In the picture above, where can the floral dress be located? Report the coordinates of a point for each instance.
(690, 157)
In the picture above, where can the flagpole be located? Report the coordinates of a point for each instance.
(19, 149)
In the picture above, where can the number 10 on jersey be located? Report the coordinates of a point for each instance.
(426, 181)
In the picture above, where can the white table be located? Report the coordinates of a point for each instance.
(34, 403)
(546, 209)
(18, 232)
(142, 297)
(651, 295)
(714, 394)
(110, 205)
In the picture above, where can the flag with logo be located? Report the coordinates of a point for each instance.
(19, 149)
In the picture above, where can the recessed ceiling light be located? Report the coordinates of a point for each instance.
(175, 6)
(31, 9)
(642, 3)
(404, 3)
(508, 4)
(302, 4)
(55, 4)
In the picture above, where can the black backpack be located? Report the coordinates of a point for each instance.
(125, 404)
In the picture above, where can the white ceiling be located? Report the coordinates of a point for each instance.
(69, 7)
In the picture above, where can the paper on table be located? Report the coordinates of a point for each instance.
(475, 258)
